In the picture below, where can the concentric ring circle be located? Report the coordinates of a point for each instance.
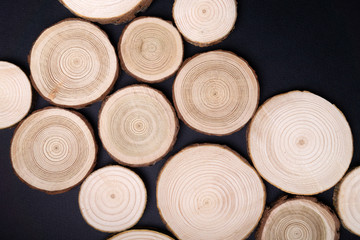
(15, 94)
(205, 22)
(73, 63)
(300, 143)
(216, 92)
(137, 125)
(143, 234)
(299, 218)
(209, 192)
(150, 49)
(112, 199)
(53, 149)
(347, 201)
(109, 11)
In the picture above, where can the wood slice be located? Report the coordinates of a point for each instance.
(210, 192)
(140, 234)
(300, 143)
(137, 125)
(112, 199)
(104, 12)
(299, 219)
(15, 94)
(205, 22)
(216, 93)
(150, 49)
(347, 201)
(73, 64)
(53, 150)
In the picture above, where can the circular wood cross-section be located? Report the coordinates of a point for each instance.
(209, 192)
(150, 49)
(297, 219)
(205, 22)
(142, 234)
(53, 150)
(347, 201)
(300, 143)
(216, 92)
(15, 94)
(73, 64)
(104, 12)
(137, 125)
(112, 199)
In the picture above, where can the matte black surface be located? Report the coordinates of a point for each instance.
(306, 45)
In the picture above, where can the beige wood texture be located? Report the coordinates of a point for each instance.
(347, 201)
(300, 142)
(73, 64)
(210, 192)
(137, 125)
(112, 199)
(216, 92)
(297, 219)
(150, 49)
(106, 11)
(140, 234)
(15, 94)
(53, 149)
(205, 22)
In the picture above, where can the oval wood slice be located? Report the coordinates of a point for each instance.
(142, 234)
(137, 125)
(150, 49)
(210, 192)
(347, 201)
(204, 22)
(216, 92)
(73, 64)
(300, 143)
(104, 12)
(15, 94)
(112, 199)
(299, 218)
(53, 150)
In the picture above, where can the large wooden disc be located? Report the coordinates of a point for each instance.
(114, 11)
(205, 22)
(15, 94)
(299, 219)
(137, 125)
(216, 92)
(73, 63)
(347, 201)
(150, 49)
(112, 199)
(53, 149)
(140, 234)
(210, 192)
(300, 143)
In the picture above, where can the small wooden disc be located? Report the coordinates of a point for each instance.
(140, 234)
(205, 22)
(15, 94)
(137, 125)
(112, 199)
(210, 192)
(216, 92)
(297, 219)
(300, 143)
(53, 150)
(104, 12)
(150, 49)
(73, 64)
(347, 201)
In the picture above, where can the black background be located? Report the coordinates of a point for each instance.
(306, 45)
